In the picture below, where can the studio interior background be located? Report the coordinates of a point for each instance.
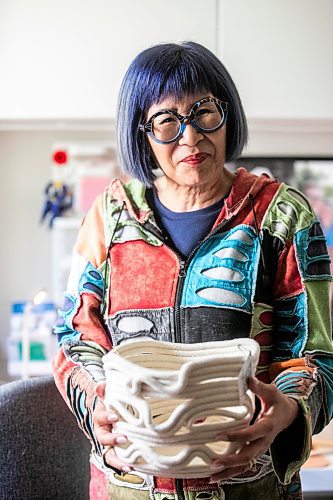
(61, 67)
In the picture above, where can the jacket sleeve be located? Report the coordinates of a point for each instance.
(302, 365)
(82, 336)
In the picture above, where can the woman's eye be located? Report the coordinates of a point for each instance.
(202, 112)
(165, 120)
(168, 120)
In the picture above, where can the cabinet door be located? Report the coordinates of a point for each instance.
(140, 24)
(66, 59)
(279, 52)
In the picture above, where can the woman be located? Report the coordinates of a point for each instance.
(138, 265)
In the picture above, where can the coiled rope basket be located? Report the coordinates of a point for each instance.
(174, 400)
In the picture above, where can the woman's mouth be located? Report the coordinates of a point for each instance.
(195, 159)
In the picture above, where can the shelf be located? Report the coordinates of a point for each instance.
(36, 368)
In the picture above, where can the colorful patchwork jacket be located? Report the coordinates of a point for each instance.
(269, 279)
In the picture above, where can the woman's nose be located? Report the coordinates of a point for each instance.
(191, 136)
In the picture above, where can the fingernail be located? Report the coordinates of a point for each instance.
(126, 469)
(112, 417)
(121, 440)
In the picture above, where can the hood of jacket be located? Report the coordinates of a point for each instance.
(133, 194)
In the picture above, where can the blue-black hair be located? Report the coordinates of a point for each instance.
(177, 70)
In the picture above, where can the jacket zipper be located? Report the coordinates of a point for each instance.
(181, 279)
(183, 266)
(180, 489)
(179, 291)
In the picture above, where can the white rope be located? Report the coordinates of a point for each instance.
(173, 400)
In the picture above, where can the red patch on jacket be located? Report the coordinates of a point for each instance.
(155, 276)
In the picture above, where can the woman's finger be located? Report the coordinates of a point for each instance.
(103, 422)
(103, 430)
(107, 438)
(111, 459)
(102, 417)
(261, 389)
(229, 472)
(246, 455)
(258, 430)
(100, 390)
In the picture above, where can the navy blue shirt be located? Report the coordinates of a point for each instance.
(186, 229)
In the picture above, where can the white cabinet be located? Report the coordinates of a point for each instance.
(279, 52)
(65, 59)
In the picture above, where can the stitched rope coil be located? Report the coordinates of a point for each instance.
(173, 400)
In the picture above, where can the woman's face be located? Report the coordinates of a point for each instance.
(196, 158)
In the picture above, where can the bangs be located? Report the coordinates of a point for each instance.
(178, 77)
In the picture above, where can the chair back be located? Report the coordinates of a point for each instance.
(43, 453)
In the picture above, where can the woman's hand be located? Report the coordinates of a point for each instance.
(103, 422)
(277, 413)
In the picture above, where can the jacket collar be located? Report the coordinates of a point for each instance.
(133, 193)
(244, 185)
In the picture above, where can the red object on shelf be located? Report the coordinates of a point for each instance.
(60, 157)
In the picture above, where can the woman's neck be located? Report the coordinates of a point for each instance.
(182, 198)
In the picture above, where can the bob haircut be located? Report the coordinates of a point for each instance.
(177, 70)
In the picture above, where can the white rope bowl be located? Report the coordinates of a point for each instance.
(173, 400)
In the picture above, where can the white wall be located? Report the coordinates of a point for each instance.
(279, 52)
(66, 58)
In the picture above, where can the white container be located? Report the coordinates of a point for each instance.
(173, 401)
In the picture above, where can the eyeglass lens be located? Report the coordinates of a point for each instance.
(208, 116)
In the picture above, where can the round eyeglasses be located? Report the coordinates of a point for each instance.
(207, 115)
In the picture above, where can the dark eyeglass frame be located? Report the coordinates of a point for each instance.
(185, 119)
